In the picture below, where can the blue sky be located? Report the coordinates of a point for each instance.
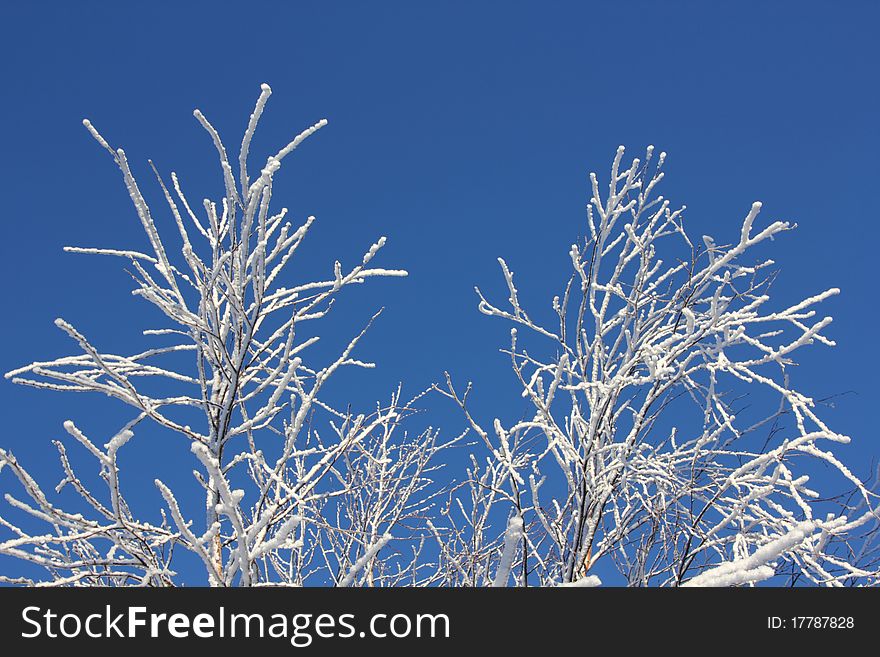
(461, 130)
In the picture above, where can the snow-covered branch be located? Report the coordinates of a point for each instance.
(284, 501)
(637, 450)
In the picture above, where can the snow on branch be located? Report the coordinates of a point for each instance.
(662, 436)
(291, 487)
(754, 568)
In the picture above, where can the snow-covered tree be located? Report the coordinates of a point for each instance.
(642, 448)
(295, 490)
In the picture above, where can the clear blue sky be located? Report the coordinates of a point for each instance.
(463, 131)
